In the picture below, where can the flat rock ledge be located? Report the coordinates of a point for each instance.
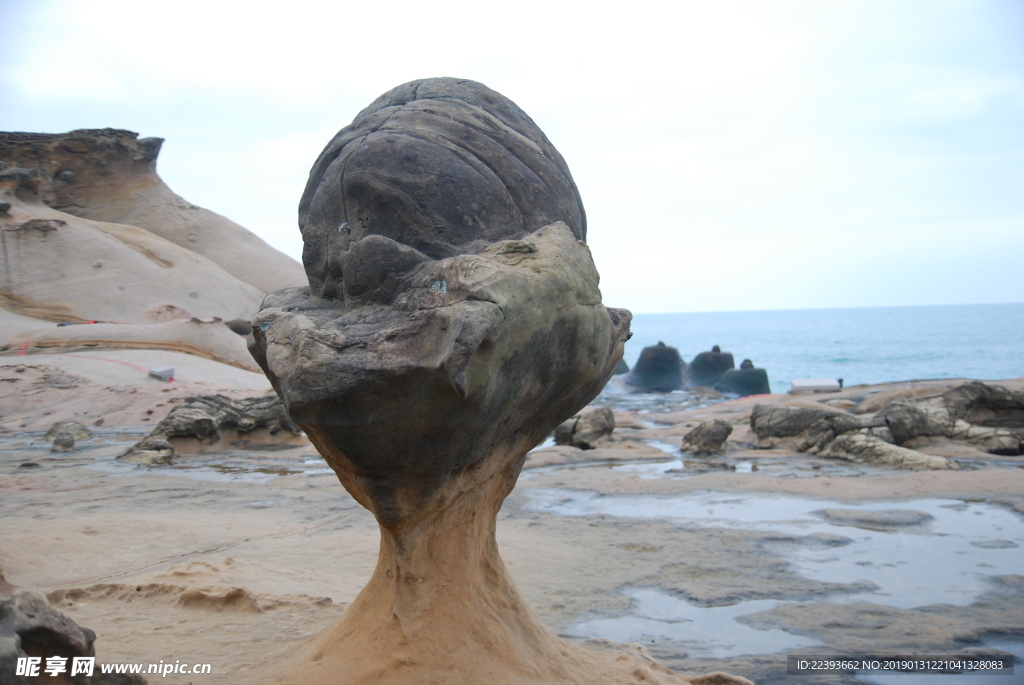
(976, 416)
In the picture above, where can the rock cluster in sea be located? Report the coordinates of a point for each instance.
(661, 368)
(452, 321)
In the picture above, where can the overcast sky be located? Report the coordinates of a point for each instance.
(730, 155)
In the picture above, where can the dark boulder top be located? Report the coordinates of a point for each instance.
(443, 166)
(707, 368)
(659, 368)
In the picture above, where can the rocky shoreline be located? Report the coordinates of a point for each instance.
(235, 556)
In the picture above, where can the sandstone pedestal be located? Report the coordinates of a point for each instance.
(453, 320)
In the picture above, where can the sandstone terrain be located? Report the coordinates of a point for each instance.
(235, 556)
(96, 252)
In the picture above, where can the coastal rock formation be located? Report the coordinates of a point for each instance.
(744, 382)
(205, 418)
(57, 269)
(109, 177)
(707, 368)
(108, 272)
(983, 417)
(586, 430)
(30, 627)
(76, 430)
(659, 368)
(452, 321)
(707, 438)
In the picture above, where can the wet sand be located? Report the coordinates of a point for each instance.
(235, 557)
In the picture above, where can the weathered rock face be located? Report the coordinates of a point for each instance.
(707, 438)
(974, 415)
(659, 368)
(441, 166)
(76, 430)
(109, 175)
(707, 368)
(453, 320)
(151, 287)
(204, 417)
(586, 430)
(30, 627)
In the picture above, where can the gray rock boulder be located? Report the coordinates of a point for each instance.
(779, 421)
(63, 442)
(707, 438)
(30, 627)
(586, 430)
(204, 417)
(438, 167)
(76, 430)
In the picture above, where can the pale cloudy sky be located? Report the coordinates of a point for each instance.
(731, 155)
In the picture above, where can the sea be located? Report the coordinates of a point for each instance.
(859, 345)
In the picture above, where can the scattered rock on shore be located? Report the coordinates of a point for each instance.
(30, 627)
(585, 431)
(707, 438)
(204, 417)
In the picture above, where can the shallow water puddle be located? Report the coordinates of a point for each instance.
(657, 617)
(943, 559)
(921, 552)
(651, 470)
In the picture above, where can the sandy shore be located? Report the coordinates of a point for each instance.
(234, 558)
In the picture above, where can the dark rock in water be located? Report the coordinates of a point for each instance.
(707, 438)
(76, 430)
(586, 430)
(203, 417)
(63, 442)
(659, 368)
(744, 382)
(622, 368)
(440, 166)
(453, 320)
(30, 627)
(707, 368)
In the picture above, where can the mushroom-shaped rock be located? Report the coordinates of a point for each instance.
(425, 363)
(707, 368)
(744, 382)
(659, 368)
